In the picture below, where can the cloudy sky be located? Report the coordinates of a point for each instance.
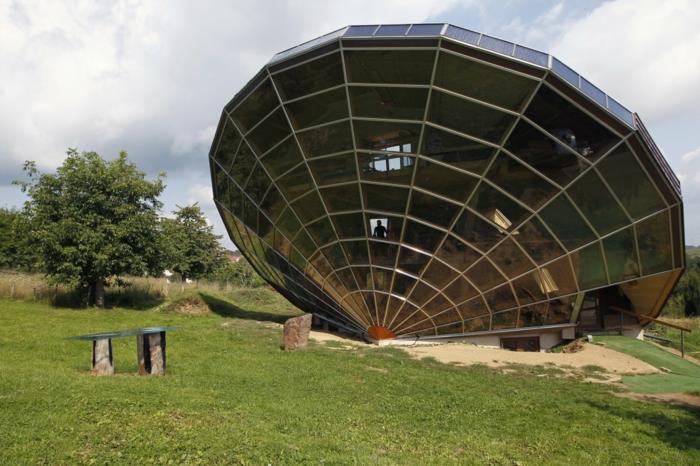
(151, 77)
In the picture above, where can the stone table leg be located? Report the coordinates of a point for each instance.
(102, 360)
(151, 353)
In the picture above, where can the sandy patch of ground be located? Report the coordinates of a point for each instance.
(349, 342)
(591, 355)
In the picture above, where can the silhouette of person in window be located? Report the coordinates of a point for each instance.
(379, 231)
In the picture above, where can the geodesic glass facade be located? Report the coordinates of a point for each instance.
(426, 180)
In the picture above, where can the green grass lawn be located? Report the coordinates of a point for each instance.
(684, 375)
(231, 396)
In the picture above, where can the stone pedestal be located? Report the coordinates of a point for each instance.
(102, 360)
(150, 349)
(296, 332)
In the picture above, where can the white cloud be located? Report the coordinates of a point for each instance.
(201, 194)
(690, 156)
(642, 52)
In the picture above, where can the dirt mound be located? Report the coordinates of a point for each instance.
(191, 305)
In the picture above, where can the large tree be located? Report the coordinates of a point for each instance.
(16, 250)
(189, 246)
(93, 220)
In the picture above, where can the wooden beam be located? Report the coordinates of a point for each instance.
(653, 319)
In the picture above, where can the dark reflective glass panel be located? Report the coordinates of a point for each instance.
(482, 82)
(388, 102)
(432, 209)
(402, 284)
(386, 168)
(476, 231)
(528, 289)
(546, 155)
(510, 259)
(443, 180)
(537, 242)
(271, 131)
(556, 278)
(497, 207)
(385, 198)
(296, 182)
(438, 274)
(468, 117)
(336, 169)
(334, 255)
(309, 207)
(387, 136)
(566, 223)
(350, 225)
(318, 109)
(412, 261)
(460, 152)
(254, 108)
(257, 185)
(621, 255)
(457, 254)
(569, 124)
(382, 253)
(304, 243)
(629, 182)
(228, 145)
(654, 237)
(460, 290)
(507, 319)
(326, 139)
(273, 203)
(356, 252)
(500, 299)
(322, 231)
(596, 203)
(422, 236)
(589, 266)
(389, 66)
(310, 77)
(521, 182)
(283, 157)
(242, 164)
(484, 275)
(340, 198)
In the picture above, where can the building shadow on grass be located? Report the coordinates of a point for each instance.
(227, 309)
(126, 298)
(679, 432)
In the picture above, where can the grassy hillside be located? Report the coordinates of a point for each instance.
(231, 396)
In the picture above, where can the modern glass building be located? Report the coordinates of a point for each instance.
(427, 181)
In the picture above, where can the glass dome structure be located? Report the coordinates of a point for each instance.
(425, 180)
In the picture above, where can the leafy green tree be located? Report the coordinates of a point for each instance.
(239, 273)
(16, 249)
(94, 220)
(189, 246)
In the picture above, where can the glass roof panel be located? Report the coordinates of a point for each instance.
(443, 180)
(569, 124)
(589, 266)
(350, 225)
(392, 30)
(544, 154)
(654, 237)
(388, 102)
(354, 31)
(228, 145)
(273, 204)
(477, 232)
(621, 255)
(309, 207)
(242, 164)
(458, 151)
(508, 257)
(432, 209)
(257, 184)
(319, 108)
(254, 108)
(332, 170)
(484, 275)
(322, 231)
(391, 224)
(482, 82)
(422, 236)
(596, 203)
(629, 182)
(357, 254)
(425, 30)
(468, 117)
(520, 181)
(310, 77)
(341, 198)
(389, 66)
(385, 198)
(295, 183)
(271, 131)
(283, 157)
(566, 223)
(497, 207)
(539, 244)
(326, 139)
(412, 261)
(457, 253)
